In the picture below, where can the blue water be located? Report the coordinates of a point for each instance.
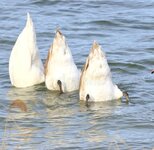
(125, 30)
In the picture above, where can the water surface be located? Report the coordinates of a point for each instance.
(125, 29)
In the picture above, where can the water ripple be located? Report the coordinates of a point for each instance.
(125, 31)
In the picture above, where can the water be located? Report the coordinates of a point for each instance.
(125, 29)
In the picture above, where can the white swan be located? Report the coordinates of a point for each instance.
(60, 70)
(96, 82)
(25, 66)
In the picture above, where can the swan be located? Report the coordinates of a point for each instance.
(25, 66)
(61, 73)
(96, 81)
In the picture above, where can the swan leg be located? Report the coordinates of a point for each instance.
(60, 86)
(125, 94)
(87, 98)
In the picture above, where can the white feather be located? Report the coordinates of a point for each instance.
(60, 66)
(25, 66)
(96, 78)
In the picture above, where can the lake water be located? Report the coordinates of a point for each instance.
(125, 30)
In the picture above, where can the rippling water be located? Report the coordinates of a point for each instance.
(125, 29)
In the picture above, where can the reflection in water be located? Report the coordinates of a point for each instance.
(31, 96)
(53, 120)
(19, 104)
(20, 127)
(29, 93)
(125, 29)
(59, 110)
(16, 133)
(16, 136)
(98, 116)
(105, 108)
(82, 123)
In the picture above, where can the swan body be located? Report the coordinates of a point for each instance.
(25, 66)
(60, 66)
(96, 82)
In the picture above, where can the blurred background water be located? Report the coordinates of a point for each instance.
(125, 30)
